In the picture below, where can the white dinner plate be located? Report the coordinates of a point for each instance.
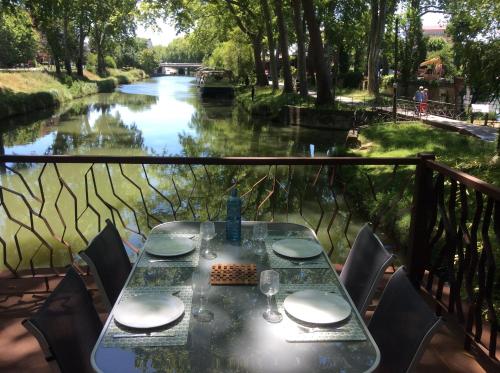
(297, 248)
(317, 307)
(152, 310)
(161, 245)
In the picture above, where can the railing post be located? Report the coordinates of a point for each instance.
(418, 255)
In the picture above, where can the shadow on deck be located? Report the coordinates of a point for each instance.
(20, 352)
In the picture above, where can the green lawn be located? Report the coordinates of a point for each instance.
(269, 102)
(355, 94)
(404, 139)
(390, 190)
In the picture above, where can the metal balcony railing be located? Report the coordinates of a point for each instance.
(445, 224)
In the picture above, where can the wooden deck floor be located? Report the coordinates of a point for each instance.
(20, 352)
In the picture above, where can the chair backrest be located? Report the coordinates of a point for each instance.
(364, 267)
(108, 262)
(67, 326)
(402, 325)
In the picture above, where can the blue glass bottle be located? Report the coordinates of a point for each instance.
(233, 220)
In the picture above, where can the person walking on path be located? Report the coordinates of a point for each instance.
(418, 98)
(425, 102)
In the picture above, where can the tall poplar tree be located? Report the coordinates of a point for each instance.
(323, 80)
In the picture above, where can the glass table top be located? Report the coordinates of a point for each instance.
(238, 339)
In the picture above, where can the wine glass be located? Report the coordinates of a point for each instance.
(201, 287)
(260, 235)
(207, 232)
(269, 285)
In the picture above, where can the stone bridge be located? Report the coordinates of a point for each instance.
(177, 68)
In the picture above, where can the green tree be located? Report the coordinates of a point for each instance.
(301, 52)
(344, 30)
(413, 50)
(48, 20)
(112, 20)
(474, 27)
(440, 47)
(182, 49)
(435, 44)
(378, 12)
(283, 40)
(268, 22)
(82, 26)
(249, 19)
(127, 52)
(149, 60)
(18, 40)
(323, 81)
(235, 55)
(210, 30)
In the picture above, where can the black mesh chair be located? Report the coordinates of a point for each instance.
(108, 262)
(402, 325)
(67, 326)
(364, 267)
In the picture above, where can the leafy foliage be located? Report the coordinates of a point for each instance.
(149, 60)
(413, 49)
(439, 47)
(352, 79)
(110, 62)
(474, 26)
(18, 40)
(127, 52)
(22, 92)
(435, 44)
(235, 55)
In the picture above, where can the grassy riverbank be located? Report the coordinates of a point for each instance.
(23, 92)
(465, 153)
(267, 102)
(388, 194)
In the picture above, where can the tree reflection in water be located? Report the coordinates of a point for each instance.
(143, 196)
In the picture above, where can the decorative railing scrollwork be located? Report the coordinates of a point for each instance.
(51, 206)
(465, 246)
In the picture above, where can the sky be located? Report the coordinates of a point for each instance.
(433, 19)
(167, 32)
(158, 37)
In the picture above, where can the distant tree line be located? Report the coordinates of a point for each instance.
(339, 40)
(320, 43)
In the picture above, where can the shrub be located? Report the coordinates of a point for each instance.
(18, 40)
(66, 80)
(122, 79)
(19, 103)
(110, 62)
(106, 85)
(91, 61)
(80, 88)
(387, 81)
(127, 77)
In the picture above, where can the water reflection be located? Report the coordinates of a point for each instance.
(160, 116)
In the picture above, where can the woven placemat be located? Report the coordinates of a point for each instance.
(184, 261)
(352, 330)
(233, 274)
(174, 335)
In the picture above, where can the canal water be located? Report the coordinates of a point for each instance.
(160, 116)
(163, 116)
